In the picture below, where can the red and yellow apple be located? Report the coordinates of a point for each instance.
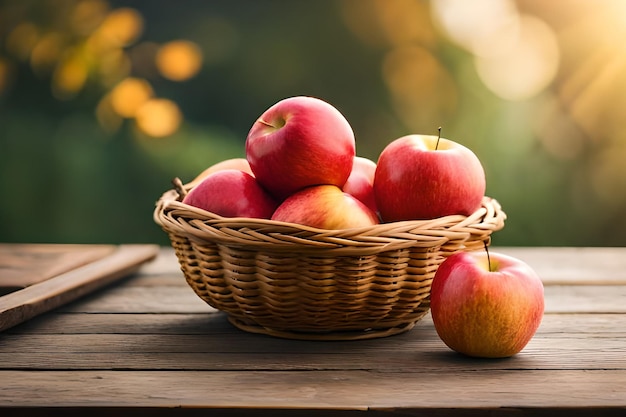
(486, 306)
(325, 207)
(424, 177)
(234, 163)
(232, 193)
(299, 142)
(360, 183)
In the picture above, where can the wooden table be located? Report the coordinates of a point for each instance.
(149, 345)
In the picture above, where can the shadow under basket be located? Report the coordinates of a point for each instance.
(299, 282)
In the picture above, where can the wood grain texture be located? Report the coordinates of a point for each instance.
(40, 297)
(322, 390)
(22, 265)
(149, 345)
(578, 266)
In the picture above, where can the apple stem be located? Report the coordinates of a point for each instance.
(438, 137)
(488, 257)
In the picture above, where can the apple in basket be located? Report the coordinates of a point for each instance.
(360, 183)
(232, 193)
(486, 305)
(325, 207)
(233, 163)
(425, 177)
(298, 142)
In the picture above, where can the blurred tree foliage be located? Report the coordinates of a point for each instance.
(103, 102)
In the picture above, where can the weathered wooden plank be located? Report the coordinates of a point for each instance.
(25, 264)
(212, 324)
(597, 344)
(135, 299)
(580, 266)
(585, 299)
(44, 296)
(357, 390)
(435, 358)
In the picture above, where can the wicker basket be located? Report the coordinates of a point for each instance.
(298, 282)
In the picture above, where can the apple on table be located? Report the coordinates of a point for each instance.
(299, 142)
(486, 304)
(426, 177)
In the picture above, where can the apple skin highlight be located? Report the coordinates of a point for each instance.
(232, 193)
(421, 177)
(325, 207)
(299, 142)
(483, 313)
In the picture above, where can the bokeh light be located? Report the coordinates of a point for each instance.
(4, 75)
(179, 60)
(120, 27)
(129, 95)
(22, 39)
(421, 89)
(482, 27)
(88, 15)
(516, 55)
(69, 76)
(46, 52)
(158, 117)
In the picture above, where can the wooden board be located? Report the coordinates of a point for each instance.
(37, 278)
(22, 265)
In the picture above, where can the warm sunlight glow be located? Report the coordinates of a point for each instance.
(69, 77)
(389, 23)
(4, 75)
(526, 66)
(88, 15)
(46, 52)
(594, 90)
(476, 25)
(121, 27)
(179, 60)
(516, 55)
(113, 66)
(129, 95)
(159, 118)
(421, 88)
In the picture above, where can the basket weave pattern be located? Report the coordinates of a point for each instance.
(299, 282)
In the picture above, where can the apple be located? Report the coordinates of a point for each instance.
(325, 207)
(234, 163)
(298, 142)
(232, 193)
(425, 177)
(360, 183)
(486, 305)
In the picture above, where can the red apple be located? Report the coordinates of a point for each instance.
(421, 177)
(234, 163)
(486, 309)
(299, 142)
(325, 207)
(360, 183)
(232, 193)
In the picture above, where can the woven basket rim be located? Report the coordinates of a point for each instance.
(178, 218)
